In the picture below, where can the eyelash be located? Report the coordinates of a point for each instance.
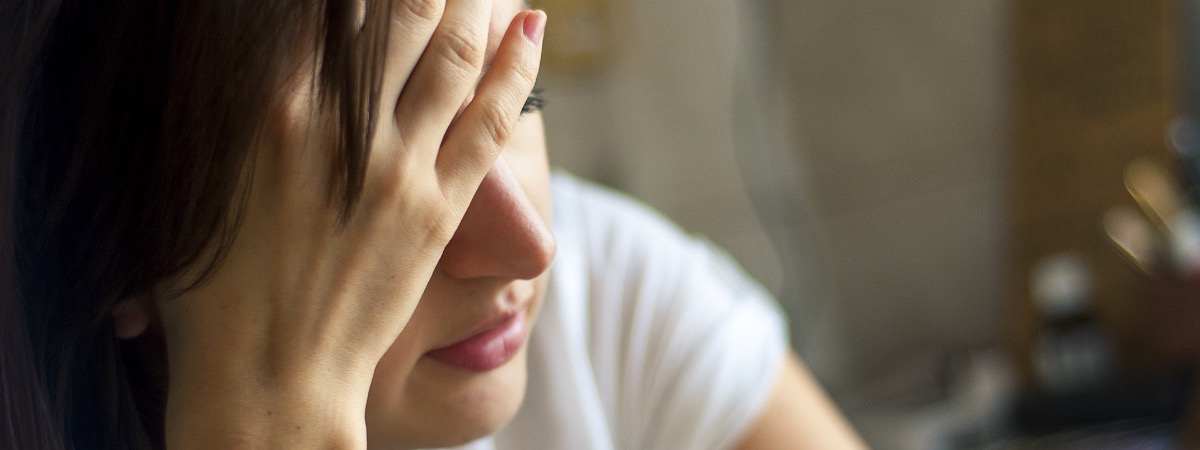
(535, 102)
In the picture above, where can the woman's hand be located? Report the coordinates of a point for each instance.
(277, 347)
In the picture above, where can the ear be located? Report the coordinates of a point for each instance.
(131, 316)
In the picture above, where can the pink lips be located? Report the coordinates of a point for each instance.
(487, 350)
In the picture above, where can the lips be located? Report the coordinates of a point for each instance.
(488, 349)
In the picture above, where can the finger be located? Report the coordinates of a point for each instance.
(412, 25)
(481, 131)
(446, 73)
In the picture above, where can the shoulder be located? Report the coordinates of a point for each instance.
(599, 212)
(615, 234)
(619, 241)
(674, 330)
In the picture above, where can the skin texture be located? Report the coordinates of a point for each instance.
(799, 416)
(405, 276)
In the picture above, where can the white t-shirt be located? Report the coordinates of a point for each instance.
(647, 339)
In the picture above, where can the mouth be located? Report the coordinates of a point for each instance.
(488, 349)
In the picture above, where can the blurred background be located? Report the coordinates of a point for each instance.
(947, 197)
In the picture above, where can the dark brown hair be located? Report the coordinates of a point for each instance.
(125, 129)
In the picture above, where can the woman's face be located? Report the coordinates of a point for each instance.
(457, 371)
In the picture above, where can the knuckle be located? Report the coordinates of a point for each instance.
(443, 226)
(462, 51)
(497, 123)
(388, 187)
(429, 11)
(527, 74)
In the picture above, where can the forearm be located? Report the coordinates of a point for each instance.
(800, 415)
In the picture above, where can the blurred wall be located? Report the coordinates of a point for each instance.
(898, 110)
(865, 192)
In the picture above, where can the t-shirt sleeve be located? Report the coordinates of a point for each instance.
(729, 339)
(688, 344)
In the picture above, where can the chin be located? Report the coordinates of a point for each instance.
(446, 407)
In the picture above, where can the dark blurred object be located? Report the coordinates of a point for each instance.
(1139, 413)
(1148, 400)
(1184, 138)
(1183, 133)
(1189, 58)
(1130, 435)
(1175, 313)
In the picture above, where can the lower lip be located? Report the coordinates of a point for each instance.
(487, 350)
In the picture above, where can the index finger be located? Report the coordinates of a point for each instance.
(481, 131)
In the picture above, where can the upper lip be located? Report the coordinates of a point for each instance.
(514, 303)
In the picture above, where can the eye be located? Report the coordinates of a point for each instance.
(535, 102)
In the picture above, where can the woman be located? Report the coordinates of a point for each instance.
(305, 224)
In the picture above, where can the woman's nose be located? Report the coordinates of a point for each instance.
(502, 234)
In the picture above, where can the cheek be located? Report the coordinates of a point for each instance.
(387, 391)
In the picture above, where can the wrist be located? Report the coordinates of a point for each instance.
(222, 412)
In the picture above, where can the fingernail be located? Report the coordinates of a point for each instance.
(535, 26)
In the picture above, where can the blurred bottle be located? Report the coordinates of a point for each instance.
(1071, 352)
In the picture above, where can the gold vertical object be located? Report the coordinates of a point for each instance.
(1093, 89)
(579, 34)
